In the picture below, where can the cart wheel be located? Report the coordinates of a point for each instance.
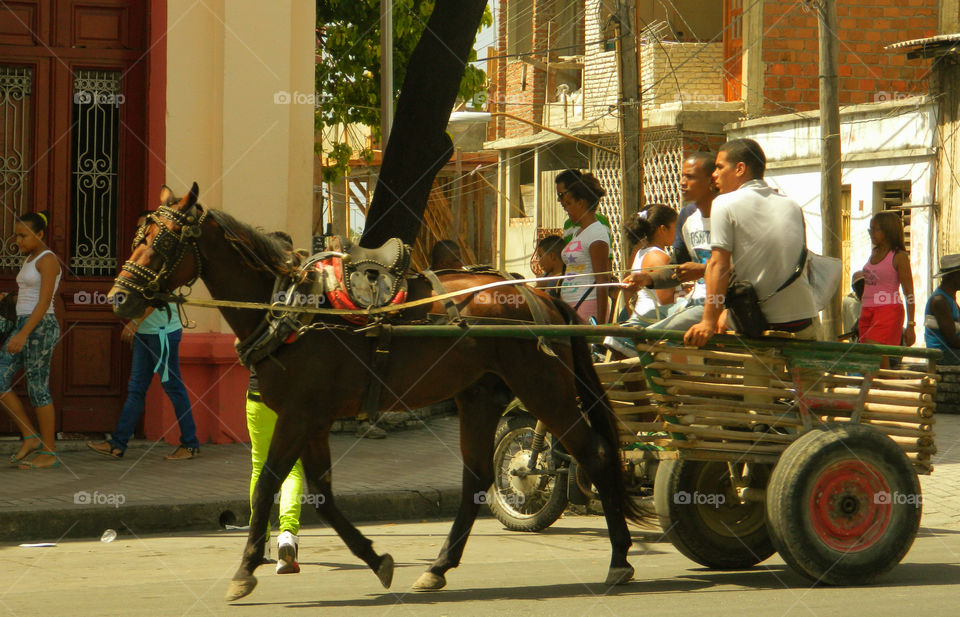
(699, 509)
(530, 503)
(843, 505)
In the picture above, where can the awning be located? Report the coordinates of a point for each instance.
(929, 47)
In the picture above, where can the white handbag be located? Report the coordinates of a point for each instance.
(824, 276)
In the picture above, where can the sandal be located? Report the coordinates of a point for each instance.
(33, 465)
(15, 460)
(104, 448)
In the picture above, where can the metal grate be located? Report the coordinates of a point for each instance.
(606, 166)
(97, 98)
(893, 196)
(15, 139)
(662, 162)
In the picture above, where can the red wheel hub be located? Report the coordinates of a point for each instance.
(850, 506)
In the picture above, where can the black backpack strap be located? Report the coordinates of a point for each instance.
(801, 263)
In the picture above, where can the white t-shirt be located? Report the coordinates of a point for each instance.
(647, 307)
(763, 231)
(696, 235)
(576, 256)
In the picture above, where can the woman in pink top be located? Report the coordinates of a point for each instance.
(885, 274)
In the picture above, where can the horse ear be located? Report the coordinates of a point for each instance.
(192, 196)
(166, 195)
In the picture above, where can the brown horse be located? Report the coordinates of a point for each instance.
(183, 241)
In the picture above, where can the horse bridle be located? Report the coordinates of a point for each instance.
(170, 245)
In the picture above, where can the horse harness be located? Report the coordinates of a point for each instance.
(357, 278)
(171, 246)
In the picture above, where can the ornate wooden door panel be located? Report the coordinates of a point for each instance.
(72, 134)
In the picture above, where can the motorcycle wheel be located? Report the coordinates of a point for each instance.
(530, 503)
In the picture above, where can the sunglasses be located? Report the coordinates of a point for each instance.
(561, 195)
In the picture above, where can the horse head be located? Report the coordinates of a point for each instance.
(161, 260)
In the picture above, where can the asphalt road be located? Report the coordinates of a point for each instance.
(558, 572)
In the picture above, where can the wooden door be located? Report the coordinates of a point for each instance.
(73, 129)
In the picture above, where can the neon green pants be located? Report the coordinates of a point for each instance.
(261, 421)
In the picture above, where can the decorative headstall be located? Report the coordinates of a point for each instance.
(170, 245)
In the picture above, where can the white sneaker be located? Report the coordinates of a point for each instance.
(288, 546)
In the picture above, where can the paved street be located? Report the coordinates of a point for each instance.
(556, 573)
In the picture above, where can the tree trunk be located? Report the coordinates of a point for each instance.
(419, 146)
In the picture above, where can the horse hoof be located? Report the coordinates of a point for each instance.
(385, 570)
(619, 576)
(429, 581)
(240, 587)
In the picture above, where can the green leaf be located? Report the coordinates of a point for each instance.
(348, 75)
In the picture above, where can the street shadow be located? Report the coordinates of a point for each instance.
(932, 532)
(761, 578)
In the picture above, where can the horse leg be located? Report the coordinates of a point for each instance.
(316, 466)
(285, 448)
(557, 407)
(479, 414)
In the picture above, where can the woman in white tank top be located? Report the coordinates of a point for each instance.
(30, 347)
(656, 225)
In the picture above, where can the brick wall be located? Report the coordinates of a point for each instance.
(687, 72)
(600, 84)
(521, 87)
(867, 71)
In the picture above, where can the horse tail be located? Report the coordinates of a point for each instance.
(597, 407)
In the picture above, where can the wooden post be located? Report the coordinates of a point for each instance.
(631, 168)
(830, 162)
(386, 71)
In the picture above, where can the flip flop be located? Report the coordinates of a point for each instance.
(108, 450)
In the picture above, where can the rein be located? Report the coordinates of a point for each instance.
(392, 308)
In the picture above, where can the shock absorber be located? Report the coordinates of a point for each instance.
(538, 444)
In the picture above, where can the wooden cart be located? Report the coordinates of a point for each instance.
(807, 449)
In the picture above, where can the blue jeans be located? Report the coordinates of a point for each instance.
(146, 353)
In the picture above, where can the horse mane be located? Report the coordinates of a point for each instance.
(257, 249)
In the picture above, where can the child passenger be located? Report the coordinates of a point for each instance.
(548, 256)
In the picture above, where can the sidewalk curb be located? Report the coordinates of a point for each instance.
(38, 525)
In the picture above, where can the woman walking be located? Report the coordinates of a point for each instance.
(31, 345)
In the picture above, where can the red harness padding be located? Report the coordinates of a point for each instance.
(339, 299)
